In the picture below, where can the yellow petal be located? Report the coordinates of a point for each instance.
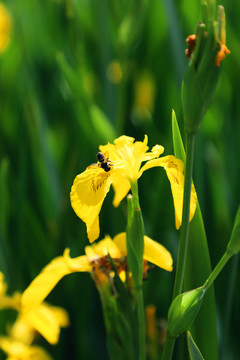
(157, 254)
(87, 194)
(121, 187)
(120, 241)
(174, 170)
(156, 151)
(47, 321)
(38, 353)
(153, 251)
(123, 140)
(3, 285)
(60, 314)
(22, 331)
(19, 351)
(103, 248)
(43, 284)
(15, 349)
(11, 302)
(140, 148)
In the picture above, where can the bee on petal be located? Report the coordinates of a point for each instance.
(103, 161)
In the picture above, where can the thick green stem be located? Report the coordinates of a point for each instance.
(141, 324)
(183, 243)
(168, 347)
(135, 244)
(140, 301)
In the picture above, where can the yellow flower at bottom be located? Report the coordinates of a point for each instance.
(16, 350)
(120, 165)
(95, 260)
(43, 319)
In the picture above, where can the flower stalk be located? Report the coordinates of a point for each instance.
(135, 248)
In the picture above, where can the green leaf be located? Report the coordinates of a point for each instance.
(194, 351)
(102, 124)
(198, 268)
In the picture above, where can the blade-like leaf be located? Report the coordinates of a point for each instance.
(198, 267)
(193, 350)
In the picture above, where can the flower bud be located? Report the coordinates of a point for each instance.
(183, 310)
(202, 73)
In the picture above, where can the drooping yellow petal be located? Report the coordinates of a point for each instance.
(47, 321)
(157, 254)
(43, 284)
(174, 170)
(153, 251)
(103, 248)
(121, 187)
(87, 194)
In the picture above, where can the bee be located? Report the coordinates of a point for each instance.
(103, 161)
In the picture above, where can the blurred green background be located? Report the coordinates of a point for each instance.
(77, 74)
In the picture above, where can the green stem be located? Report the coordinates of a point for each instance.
(168, 347)
(136, 236)
(222, 262)
(141, 324)
(183, 242)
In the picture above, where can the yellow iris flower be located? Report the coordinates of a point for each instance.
(43, 319)
(121, 167)
(95, 261)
